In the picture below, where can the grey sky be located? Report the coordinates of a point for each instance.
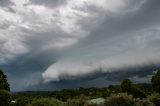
(44, 41)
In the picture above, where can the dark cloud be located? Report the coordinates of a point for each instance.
(99, 79)
(39, 44)
(26, 70)
(6, 3)
(147, 16)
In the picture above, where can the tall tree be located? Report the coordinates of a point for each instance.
(5, 97)
(3, 81)
(126, 85)
(129, 88)
(156, 81)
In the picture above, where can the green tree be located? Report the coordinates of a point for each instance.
(137, 93)
(156, 81)
(5, 96)
(126, 85)
(3, 81)
(79, 101)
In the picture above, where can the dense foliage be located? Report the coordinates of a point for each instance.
(120, 100)
(126, 94)
(156, 81)
(129, 88)
(5, 96)
(3, 81)
(46, 102)
(126, 85)
(155, 98)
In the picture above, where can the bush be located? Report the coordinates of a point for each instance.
(137, 93)
(5, 98)
(23, 101)
(80, 101)
(94, 104)
(75, 102)
(155, 98)
(46, 102)
(121, 99)
(143, 102)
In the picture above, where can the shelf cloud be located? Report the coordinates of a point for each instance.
(54, 40)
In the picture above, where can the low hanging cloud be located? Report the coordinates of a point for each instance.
(75, 38)
(138, 57)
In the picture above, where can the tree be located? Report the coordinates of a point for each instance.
(129, 88)
(5, 97)
(3, 81)
(156, 81)
(137, 93)
(126, 85)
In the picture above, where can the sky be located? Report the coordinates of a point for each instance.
(56, 44)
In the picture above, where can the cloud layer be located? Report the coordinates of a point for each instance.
(56, 39)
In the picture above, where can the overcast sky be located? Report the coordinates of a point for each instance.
(43, 41)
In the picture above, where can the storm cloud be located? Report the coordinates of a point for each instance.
(56, 40)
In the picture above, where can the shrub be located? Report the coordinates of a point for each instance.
(46, 102)
(121, 99)
(5, 98)
(87, 104)
(143, 102)
(23, 101)
(80, 101)
(155, 98)
(75, 102)
(137, 93)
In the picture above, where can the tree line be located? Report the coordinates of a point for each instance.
(125, 94)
